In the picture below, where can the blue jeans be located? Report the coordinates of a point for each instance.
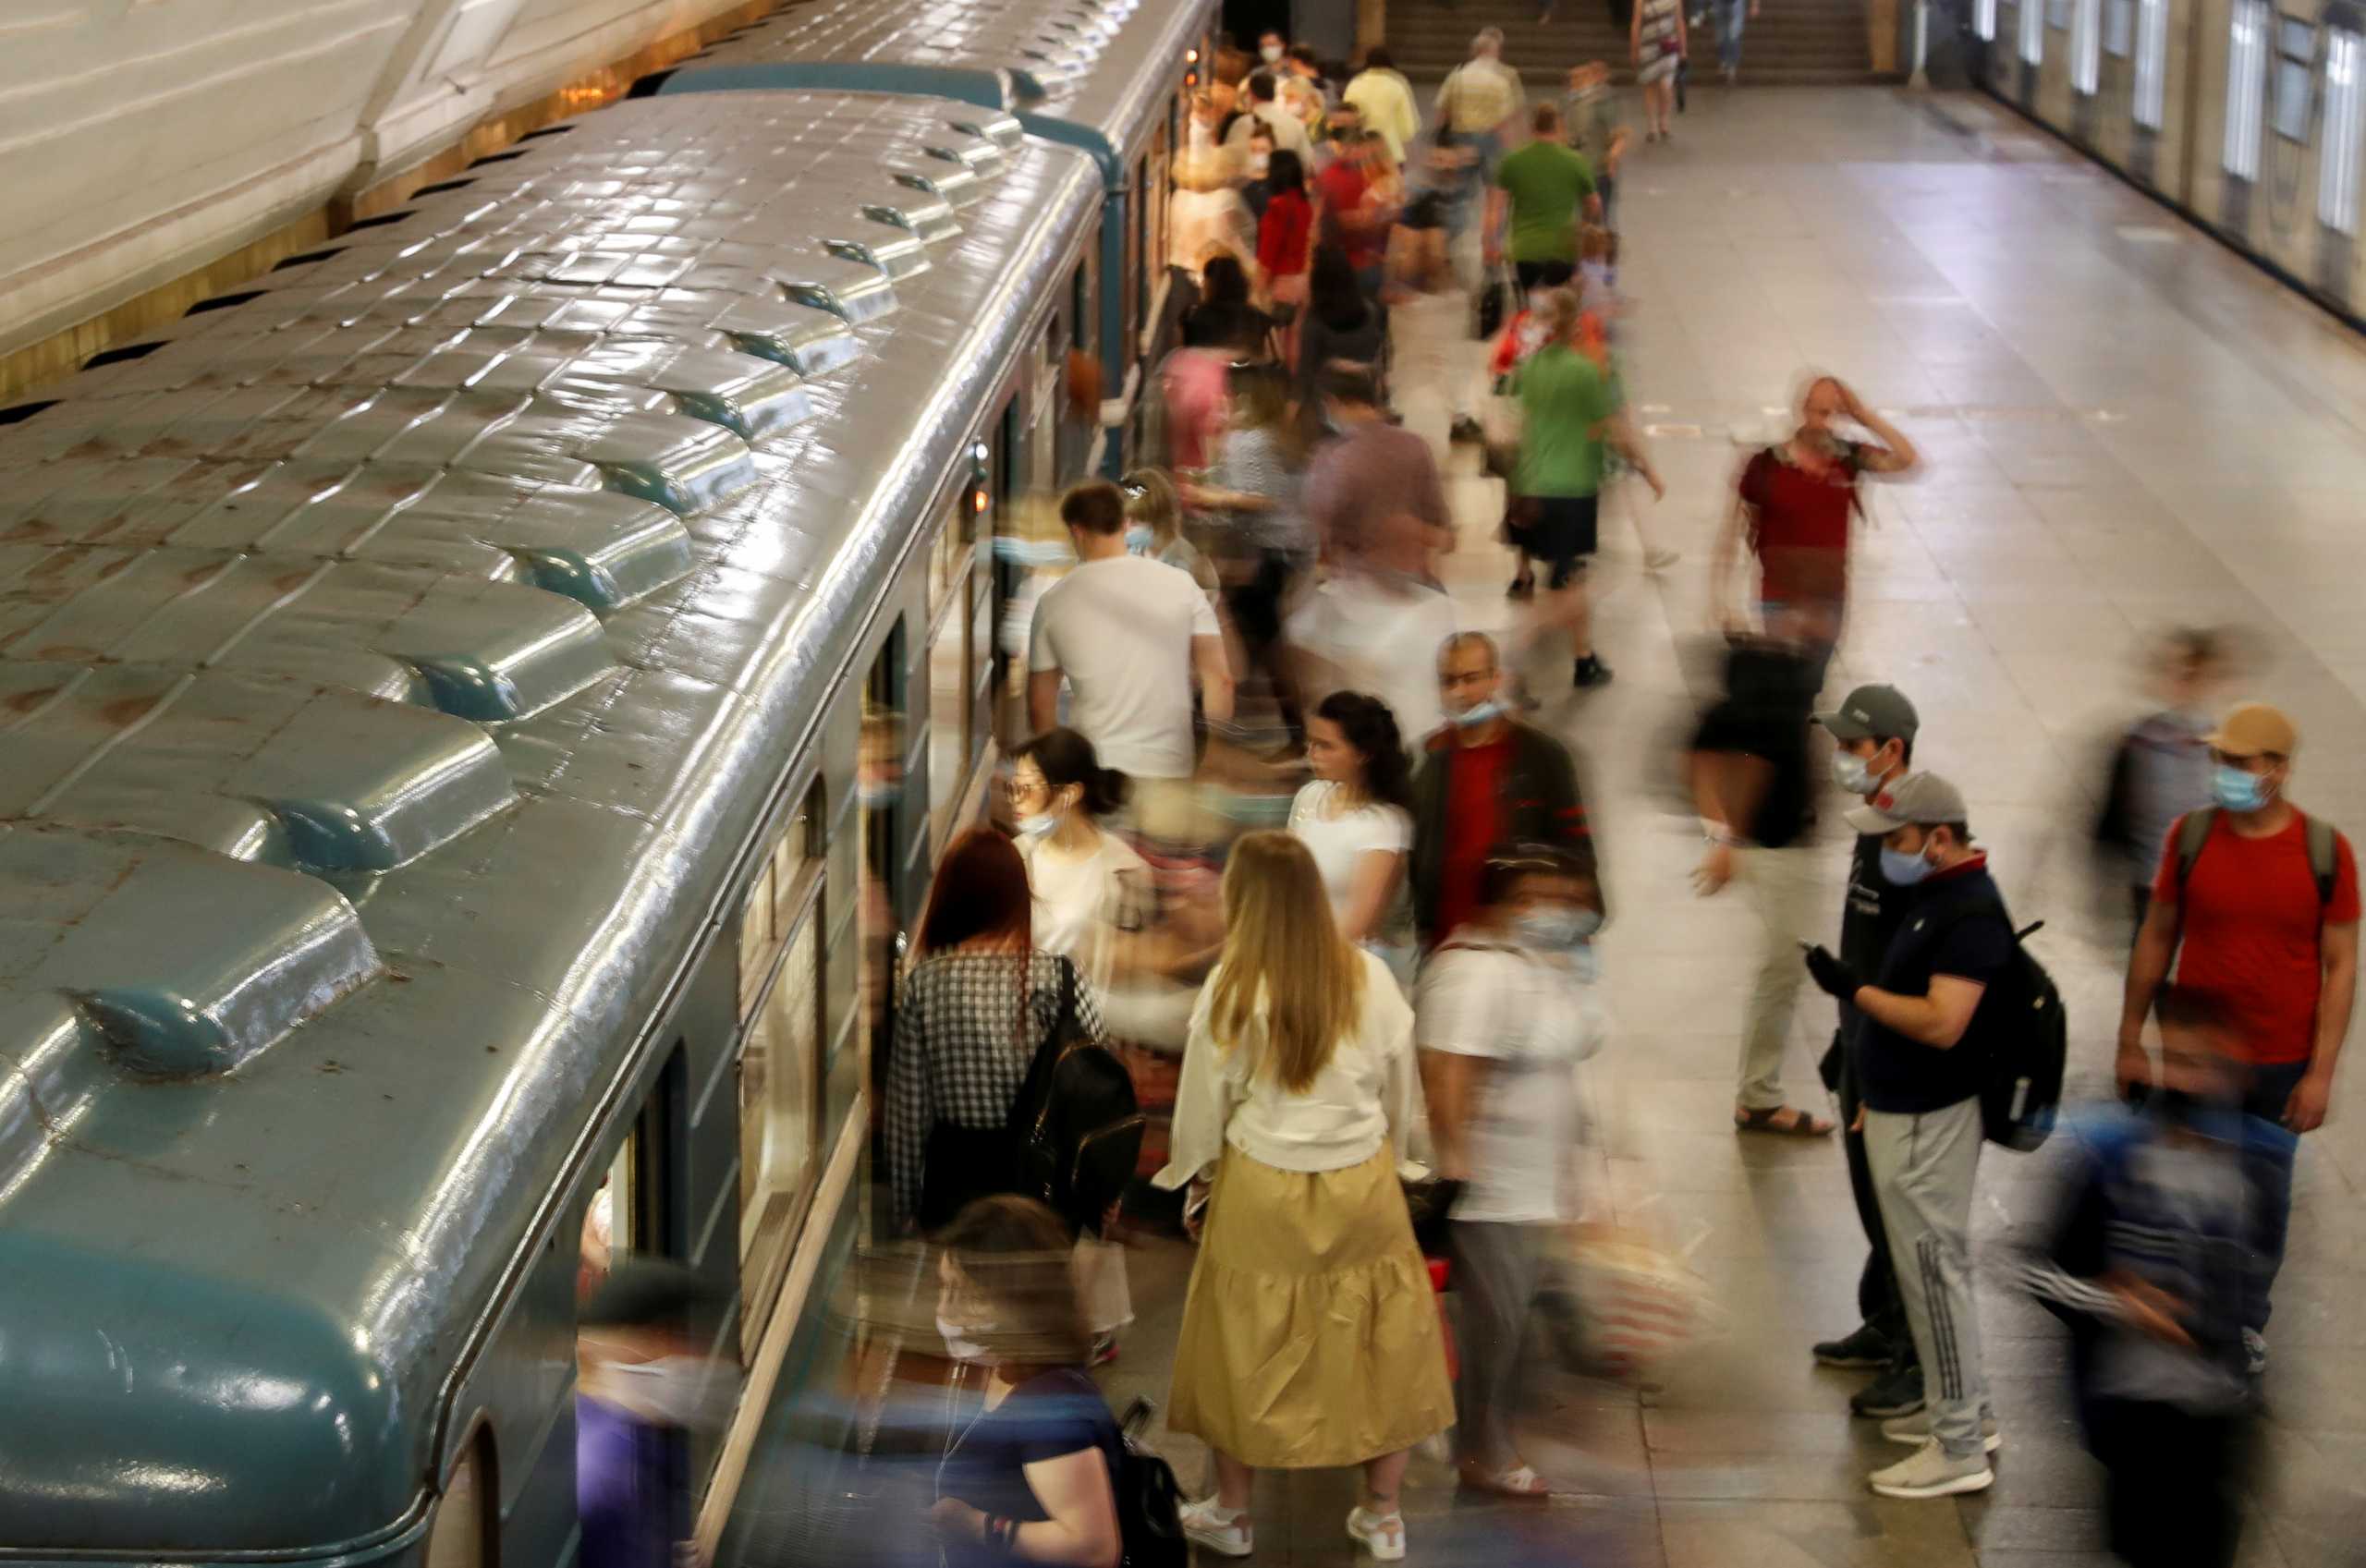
(2276, 1149)
(1732, 16)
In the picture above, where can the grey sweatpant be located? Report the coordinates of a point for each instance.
(1922, 1168)
(1497, 1269)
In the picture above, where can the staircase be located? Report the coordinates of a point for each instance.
(1791, 43)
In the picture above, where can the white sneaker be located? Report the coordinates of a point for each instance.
(1206, 1524)
(1928, 1472)
(1915, 1430)
(1382, 1534)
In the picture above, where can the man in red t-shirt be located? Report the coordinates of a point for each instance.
(1792, 504)
(1346, 213)
(2265, 923)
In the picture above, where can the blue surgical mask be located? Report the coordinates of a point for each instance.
(1138, 538)
(1035, 825)
(1588, 922)
(1584, 963)
(1551, 930)
(1480, 713)
(2238, 791)
(1904, 868)
(957, 1342)
(1852, 773)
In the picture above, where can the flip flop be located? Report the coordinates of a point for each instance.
(1803, 1125)
(1520, 1482)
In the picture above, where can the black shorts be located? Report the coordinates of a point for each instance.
(1558, 529)
(1544, 275)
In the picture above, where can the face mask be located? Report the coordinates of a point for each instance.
(1138, 538)
(1551, 930)
(1484, 712)
(1261, 163)
(1905, 867)
(2238, 791)
(1271, 53)
(1585, 922)
(957, 1344)
(1852, 773)
(1584, 963)
(675, 1390)
(1035, 825)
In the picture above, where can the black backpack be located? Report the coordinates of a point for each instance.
(2026, 1034)
(1075, 1129)
(1150, 1503)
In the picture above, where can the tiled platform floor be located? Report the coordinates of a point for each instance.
(2125, 426)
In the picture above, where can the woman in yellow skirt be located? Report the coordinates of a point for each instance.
(1309, 1337)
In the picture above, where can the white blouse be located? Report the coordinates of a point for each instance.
(1339, 840)
(1081, 904)
(1366, 1097)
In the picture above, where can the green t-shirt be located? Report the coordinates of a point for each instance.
(1547, 182)
(1564, 399)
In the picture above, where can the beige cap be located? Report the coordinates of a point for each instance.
(2254, 728)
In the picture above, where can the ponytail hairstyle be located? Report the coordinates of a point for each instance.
(1067, 757)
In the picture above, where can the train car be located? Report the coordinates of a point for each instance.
(481, 707)
(1110, 78)
(2248, 115)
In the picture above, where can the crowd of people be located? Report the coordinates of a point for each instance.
(1370, 967)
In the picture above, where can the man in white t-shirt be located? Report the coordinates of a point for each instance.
(1376, 632)
(1503, 1014)
(1130, 635)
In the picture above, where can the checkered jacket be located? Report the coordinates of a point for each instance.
(960, 1052)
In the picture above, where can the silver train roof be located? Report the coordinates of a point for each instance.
(1087, 72)
(392, 667)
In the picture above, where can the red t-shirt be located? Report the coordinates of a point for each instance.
(2250, 929)
(1343, 186)
(1473, 812)
(1283, 233)
(1800, 525)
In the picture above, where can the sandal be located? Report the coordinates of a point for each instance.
(1520, 1482)
(1802, 1123)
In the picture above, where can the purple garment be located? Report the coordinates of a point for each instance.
(624, 1490)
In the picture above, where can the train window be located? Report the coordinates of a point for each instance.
(2033, 31)
(2247, 46)
(2057, 14)
(2119, 28)
(1133, 279)
(2337, 156)
(2151, 61)
(2086, 46)
(2296, 77)
(948, 683)
(779, 1064)
(463, 1534)
(1983, 20)
(1080, 307)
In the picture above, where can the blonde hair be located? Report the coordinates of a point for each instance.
(1283, 958)
(1559, 311)
(1150, 498)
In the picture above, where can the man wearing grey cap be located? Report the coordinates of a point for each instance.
(1920, 1061)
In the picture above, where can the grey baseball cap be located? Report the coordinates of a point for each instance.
(1873, 712)
(1921, 800)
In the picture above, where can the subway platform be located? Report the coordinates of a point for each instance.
(2124, 427)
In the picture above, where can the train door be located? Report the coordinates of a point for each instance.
(2342, 124)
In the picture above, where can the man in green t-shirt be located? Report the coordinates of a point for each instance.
(1572, 415)
(1546, 186)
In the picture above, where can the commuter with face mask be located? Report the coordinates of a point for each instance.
(1504, 1013)
(2257, 902)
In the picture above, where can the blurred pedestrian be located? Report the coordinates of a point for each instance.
(1132, 637)
(2257, 903)
(647, 1385)
(1356, 816)
(1305, 91)
(1540, 195)
(1733, 16)
(1273, 48)
(976, 1007)
(1031, 1477)
(1429, 309)
(1873, 737)
(1340, 327)
(1386, 99)
(2152, 1259)
(1657, 42)
(1486, 780)
(1481, 98)
(1591, 119)
(1300, 1097)
(2161, 767)
(1375, 630)
(1286, 246)
(1792, 504)
(1090, 889)
(1256, 173)
(1348, 213)
(1922, 1058)
(1372, 494)
(1749, 766)
(1225, 319)
(1290, 134)
(1572, 416)
(1263, 543)
(1505, 1013)
(1154, 528)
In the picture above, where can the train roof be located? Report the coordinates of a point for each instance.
(393, 669)
(1086, 72)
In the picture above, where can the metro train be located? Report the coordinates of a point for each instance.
(482, 704)
(2248, 115)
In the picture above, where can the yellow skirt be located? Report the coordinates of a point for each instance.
(1310, 1335)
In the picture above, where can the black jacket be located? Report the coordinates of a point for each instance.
(1540, 802)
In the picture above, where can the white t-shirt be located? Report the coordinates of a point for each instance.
(1380, 639)
(1081, 904)
(1120, 628)
(1532, 1020)
(1339, 841)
